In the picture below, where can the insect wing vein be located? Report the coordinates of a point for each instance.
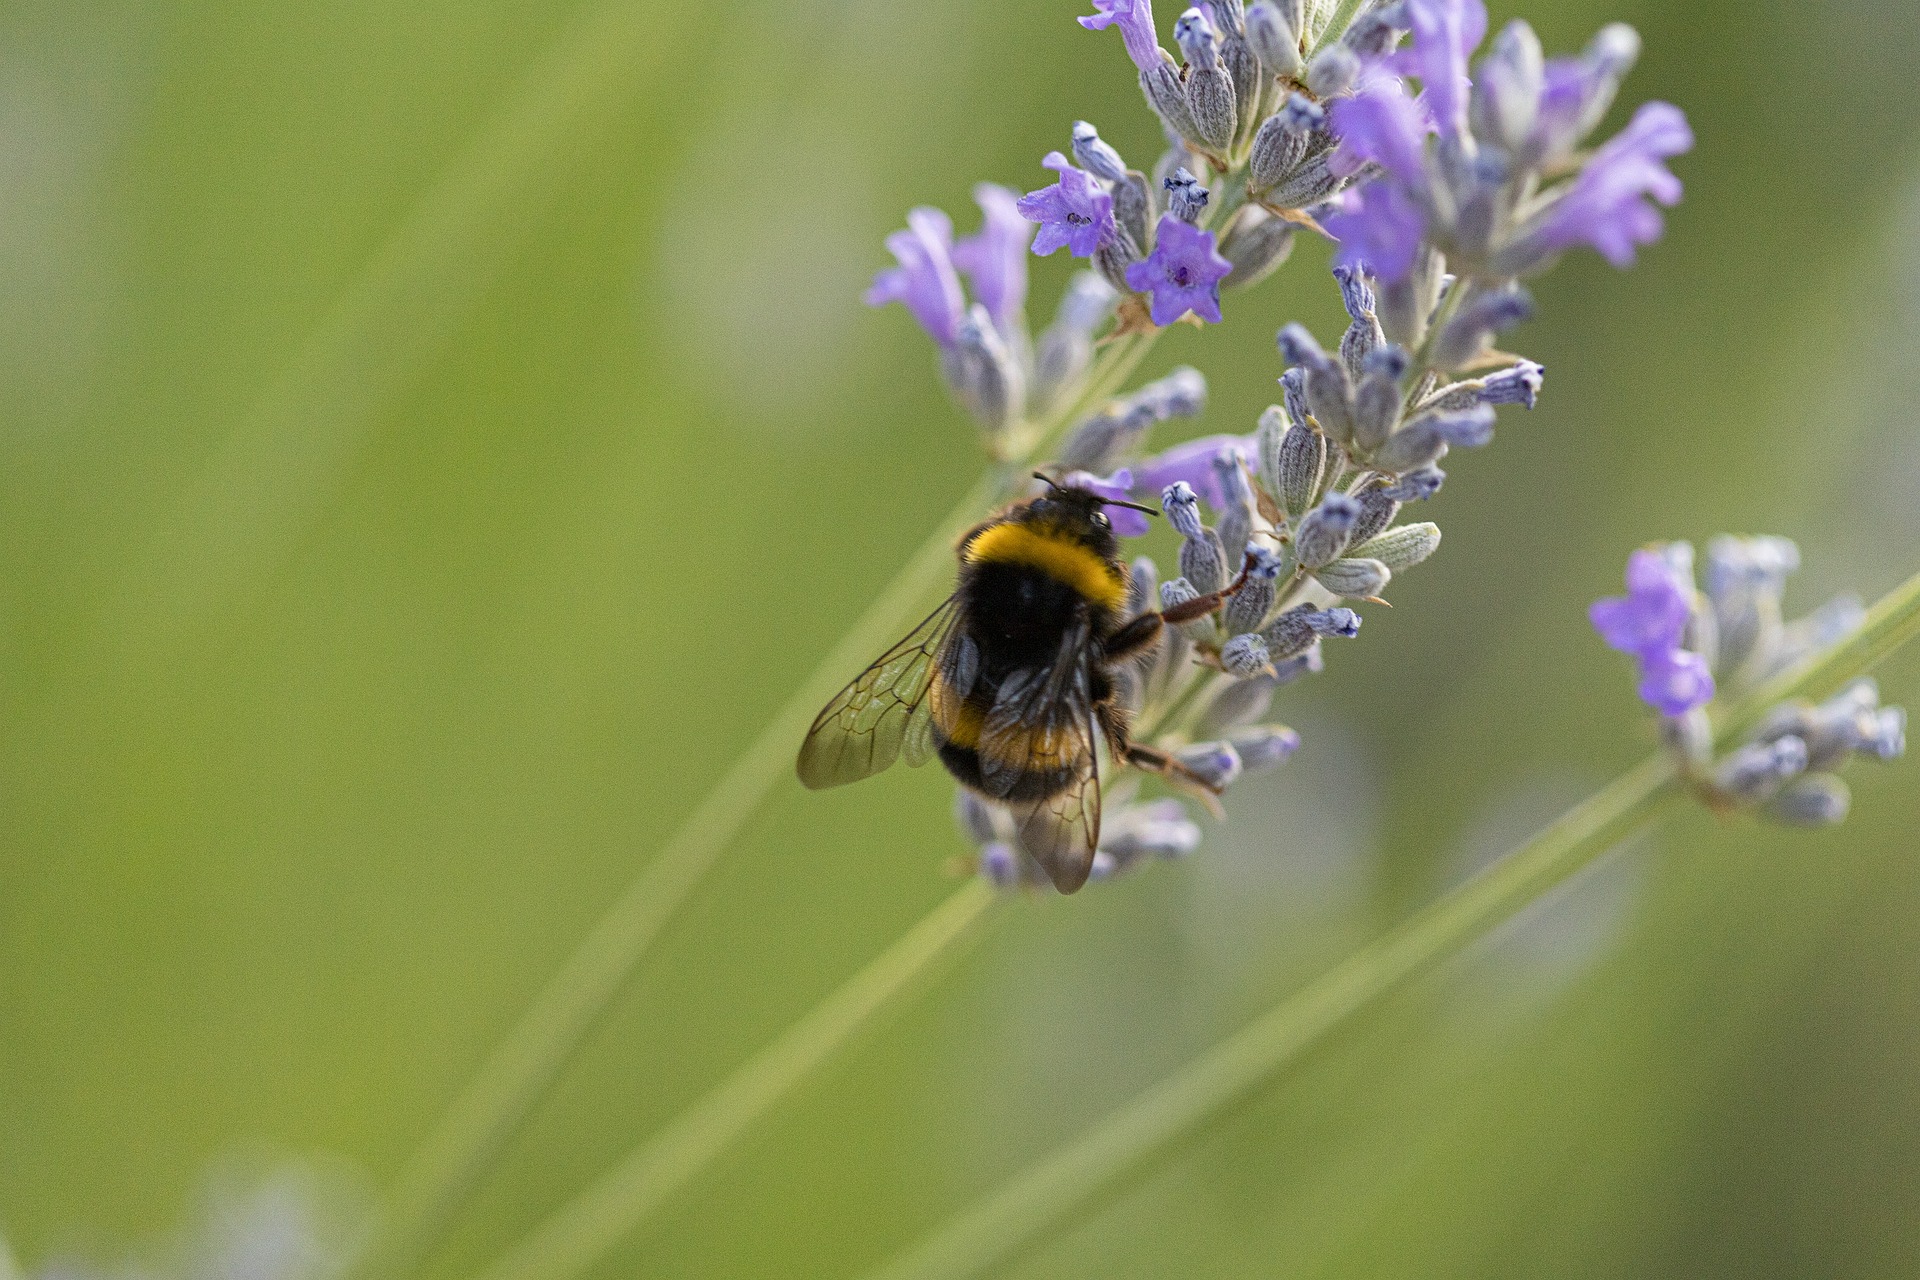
(882, 715)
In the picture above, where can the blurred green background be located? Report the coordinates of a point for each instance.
(434, 437)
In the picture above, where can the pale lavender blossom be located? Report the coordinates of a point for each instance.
(1182, 274)
(1074, 211)
(995, 259)
(1607, 205)
(1674, 681)
(1193, 462)
(1135, 18)
(1378, 228)
(1445, 32)
(1575, 92)
(1652, 616)
(1381, 123)
(925, 281)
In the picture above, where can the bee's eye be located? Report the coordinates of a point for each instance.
(1100, 520)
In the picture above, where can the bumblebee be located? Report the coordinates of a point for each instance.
(1010, 682)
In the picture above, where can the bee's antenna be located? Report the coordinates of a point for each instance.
(1047, 480)
(1131, 506)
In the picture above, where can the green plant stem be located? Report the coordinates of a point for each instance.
(1186, 1103)
(584, 1230)
(1183, 1104)
(1892, 622)
(524, 1066)
(1337, 25)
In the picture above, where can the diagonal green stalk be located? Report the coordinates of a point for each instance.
(591, 1224)
(1199, 1095)
(523, 1067)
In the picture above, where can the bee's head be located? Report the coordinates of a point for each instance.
(1078, 511)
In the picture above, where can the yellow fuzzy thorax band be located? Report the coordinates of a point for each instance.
(1055, 553)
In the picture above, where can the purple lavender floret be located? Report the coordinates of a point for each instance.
(1382, 124)
(1674, 682)
(1652, 616)
(1445, 33)
(1126, 522)
(1136, 28)
(995, 259)
(1182, 274)
(1193, 462)
(1650, 622)
(924, 281)
(1074, 211)
(1607, 205)
(1378, 228)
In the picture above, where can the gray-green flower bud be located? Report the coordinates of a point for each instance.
(1402, 548)
(1282, 141)
(1332, 71)
(1244, 656)
(1354, 579)
(984, 374)
(1378, 507)
(1324, 533)
(1256, 244)
(1178, 592)
(1274, 42)
(1168, 96)
(1816, 800)
(1300, 465)
(1378, 398)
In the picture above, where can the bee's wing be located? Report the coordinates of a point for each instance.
(1041, 723)
(882, 714)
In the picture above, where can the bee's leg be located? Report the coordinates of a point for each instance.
(1175, 775)
(1201, 606)
(1133, 639)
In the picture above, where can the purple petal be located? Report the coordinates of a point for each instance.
(1193, 462)
(1136, 28)
(1382, 124)
(1652, 617)
(924, 281)
(1605, 207)
(1074, 211)
(995, 260)
(1126, 522)
(1378, 227)
(1445, 33)
(1182, 274)
(1674, 682)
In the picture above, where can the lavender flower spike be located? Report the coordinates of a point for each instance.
(1136, 28)
(1606, 206)
(1074, 211)
(924, 281)
(1652, 616)
(995, 260)
(1182, 274)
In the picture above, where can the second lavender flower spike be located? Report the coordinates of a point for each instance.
(1697, 647)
